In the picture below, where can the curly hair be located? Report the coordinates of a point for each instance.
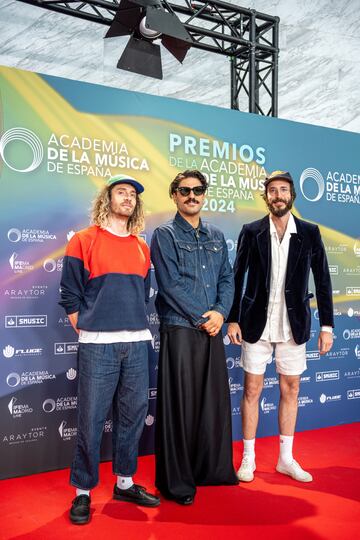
(101, 212)
(186, 174)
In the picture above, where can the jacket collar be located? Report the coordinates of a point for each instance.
(186, 226)
(295, 250)
(264, 246)
(265, 225)
(263, 242)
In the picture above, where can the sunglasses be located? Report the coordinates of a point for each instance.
(197, 190)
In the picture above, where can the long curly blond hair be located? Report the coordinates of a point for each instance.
(101, 211)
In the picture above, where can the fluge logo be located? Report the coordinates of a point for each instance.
(316, 176)
(8, 351)
(30, 139)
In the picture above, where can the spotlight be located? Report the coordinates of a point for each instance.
(145, 21)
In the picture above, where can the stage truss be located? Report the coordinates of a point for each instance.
(249, 38)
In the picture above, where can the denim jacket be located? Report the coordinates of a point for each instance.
(192, 270)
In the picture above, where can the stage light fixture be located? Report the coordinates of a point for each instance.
(146, 21)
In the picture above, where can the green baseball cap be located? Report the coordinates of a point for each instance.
(125, 179)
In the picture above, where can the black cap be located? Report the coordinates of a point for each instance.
(278, 175)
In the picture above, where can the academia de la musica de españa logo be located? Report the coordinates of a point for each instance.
(27, 137)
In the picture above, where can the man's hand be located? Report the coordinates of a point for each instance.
(73, 318)
(214, 323)
(234, 333)
(325, 342)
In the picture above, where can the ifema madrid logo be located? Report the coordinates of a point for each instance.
(28, 137)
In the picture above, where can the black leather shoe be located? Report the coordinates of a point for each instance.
(188, 499)
(80, 510)
(137, 495)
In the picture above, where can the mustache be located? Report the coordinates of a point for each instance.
(278, 200)
(192, 200)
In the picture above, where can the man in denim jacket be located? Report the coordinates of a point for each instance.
(193, 443)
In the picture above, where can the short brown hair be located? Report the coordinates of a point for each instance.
(186, 174)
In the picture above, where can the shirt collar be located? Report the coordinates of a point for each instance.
(109, 229)
(290, 228)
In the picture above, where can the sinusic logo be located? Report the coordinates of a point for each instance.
(30, 139)
(316, 177)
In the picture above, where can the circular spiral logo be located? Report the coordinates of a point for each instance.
(28, 137)
(49, 405)
(316, 175)
(14, 235)
(49, 265)
(13, 379)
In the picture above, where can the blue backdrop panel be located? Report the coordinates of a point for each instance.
(60, 140)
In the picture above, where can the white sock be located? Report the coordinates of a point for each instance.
(286, 444)
(124, 482)
(82, 492)
(249, 448)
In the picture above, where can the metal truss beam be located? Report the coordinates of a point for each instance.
(249, 38)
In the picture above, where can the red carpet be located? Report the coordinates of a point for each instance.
(273, 506)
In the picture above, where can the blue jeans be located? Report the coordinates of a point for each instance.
(114, 375)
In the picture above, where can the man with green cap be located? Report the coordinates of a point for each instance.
(104, 287)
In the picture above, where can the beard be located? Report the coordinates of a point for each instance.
(119, 210)
(279, 212)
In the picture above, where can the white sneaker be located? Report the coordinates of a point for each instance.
(295, 471)
(247, 468)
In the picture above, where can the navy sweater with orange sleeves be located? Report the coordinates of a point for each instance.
(106, 278)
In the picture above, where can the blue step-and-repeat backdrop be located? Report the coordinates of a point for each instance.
(60, 140)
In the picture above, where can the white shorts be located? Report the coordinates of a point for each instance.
(290, 357)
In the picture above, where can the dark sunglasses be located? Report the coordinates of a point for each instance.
(197, 190)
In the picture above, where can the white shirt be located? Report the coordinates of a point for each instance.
(277, 328)
(118, 336)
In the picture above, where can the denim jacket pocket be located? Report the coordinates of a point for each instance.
(188, 253)
(214, 246)
(214, 251)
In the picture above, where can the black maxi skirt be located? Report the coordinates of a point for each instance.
(193, 436)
